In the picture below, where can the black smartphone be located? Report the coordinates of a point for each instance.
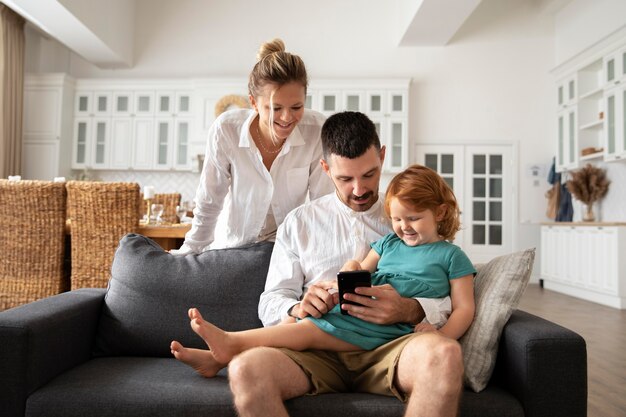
(348, 280)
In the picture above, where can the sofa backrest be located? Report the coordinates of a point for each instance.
(150, 292)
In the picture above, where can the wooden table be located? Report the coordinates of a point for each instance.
(167, 236)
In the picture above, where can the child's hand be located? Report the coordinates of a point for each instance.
(351, 265)
(424, 327)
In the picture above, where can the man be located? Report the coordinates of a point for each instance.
(312, 244)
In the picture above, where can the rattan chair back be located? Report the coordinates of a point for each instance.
(32, 241)
(100, 214)
(169, 201)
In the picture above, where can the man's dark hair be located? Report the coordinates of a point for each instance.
(348, 134)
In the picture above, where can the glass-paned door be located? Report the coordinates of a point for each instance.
(481, 178)
(448, 161)
(489, 201)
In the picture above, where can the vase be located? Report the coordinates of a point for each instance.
(589, 216)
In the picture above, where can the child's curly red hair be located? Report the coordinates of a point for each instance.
(421, 188)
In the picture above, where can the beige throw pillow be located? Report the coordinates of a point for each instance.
(498, 287)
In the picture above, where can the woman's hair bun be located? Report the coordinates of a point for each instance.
(270, 47)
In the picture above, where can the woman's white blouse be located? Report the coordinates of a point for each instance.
(236, 190)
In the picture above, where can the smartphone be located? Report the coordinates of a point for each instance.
(348, 280)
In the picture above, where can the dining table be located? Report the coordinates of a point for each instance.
(167, 235)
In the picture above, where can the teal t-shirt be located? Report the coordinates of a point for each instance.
(414, 271)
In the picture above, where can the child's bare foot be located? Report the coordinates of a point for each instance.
(201, 360)
(222, 344)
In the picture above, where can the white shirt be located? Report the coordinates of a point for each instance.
(312, 244)
(236, 186)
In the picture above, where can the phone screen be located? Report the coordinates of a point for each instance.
(347, 281)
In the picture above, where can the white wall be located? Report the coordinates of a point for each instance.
(491, 84)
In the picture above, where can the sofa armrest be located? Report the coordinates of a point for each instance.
(544, 365)
(41, 340)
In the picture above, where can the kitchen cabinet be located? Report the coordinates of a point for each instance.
(385, 101)
(585, 261)
(591, 114)
(127, 125)
(47, 126)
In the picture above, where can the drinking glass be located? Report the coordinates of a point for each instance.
(181, 211)
(157, 212)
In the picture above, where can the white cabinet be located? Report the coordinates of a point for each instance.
(47, 126)
(127, 125)
(585, 262)
(591, 109)
(615, 104)
(384, 101)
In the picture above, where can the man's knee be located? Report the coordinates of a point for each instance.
(436, 354)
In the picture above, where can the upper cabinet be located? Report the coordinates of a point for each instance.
(130, 126)
(591, 113)
(384, 101)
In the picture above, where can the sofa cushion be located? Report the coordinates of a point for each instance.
(150, 291)
(498, 287)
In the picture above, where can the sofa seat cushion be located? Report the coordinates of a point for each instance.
(150, 292)
(137, 387)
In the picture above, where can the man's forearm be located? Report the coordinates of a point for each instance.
(414, 312)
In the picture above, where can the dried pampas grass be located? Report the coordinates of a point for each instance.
(589, 184)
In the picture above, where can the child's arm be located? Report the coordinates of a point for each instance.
(370, 263)
(463, 307)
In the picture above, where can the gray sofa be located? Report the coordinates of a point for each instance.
(96, 352)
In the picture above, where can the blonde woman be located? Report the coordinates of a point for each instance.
(262, 162)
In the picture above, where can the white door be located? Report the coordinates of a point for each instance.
(482, 180)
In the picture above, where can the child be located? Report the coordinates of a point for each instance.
(416, 260)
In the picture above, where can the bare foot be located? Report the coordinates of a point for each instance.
(222, 344)
(201, 360)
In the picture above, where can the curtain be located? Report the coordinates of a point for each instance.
(11, 91)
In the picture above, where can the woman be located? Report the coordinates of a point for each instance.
(260, 163)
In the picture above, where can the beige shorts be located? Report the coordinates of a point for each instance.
(371, 371)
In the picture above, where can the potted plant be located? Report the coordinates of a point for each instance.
(588, 184)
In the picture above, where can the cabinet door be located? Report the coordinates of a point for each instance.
(354, 101)
(143, 143)
(615, 121)
(183, 104)
(144, 103)
(83, 104)
(182, 136)
(81, 151)
(121, 143)
(100, 143)
(397, 143)
(567, 143)
(163, 150)
(615, 68)
(165, 106)
(397, 103)
(101, 104)
(329, 102)
(122, 104)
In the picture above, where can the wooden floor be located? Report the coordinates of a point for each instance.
(604, 330)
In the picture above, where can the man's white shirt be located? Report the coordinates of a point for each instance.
(312, 244)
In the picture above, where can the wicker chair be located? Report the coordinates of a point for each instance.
(169, 201)
(101, 213)
(32, 241)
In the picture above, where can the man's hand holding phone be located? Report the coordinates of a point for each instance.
(382, 304)
(317, 301)
(347, 282)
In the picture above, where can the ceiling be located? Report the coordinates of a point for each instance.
(99, 31)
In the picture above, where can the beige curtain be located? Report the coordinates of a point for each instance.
(11, 91)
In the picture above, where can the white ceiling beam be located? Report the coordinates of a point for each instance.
(100, 32)
(435, 22)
